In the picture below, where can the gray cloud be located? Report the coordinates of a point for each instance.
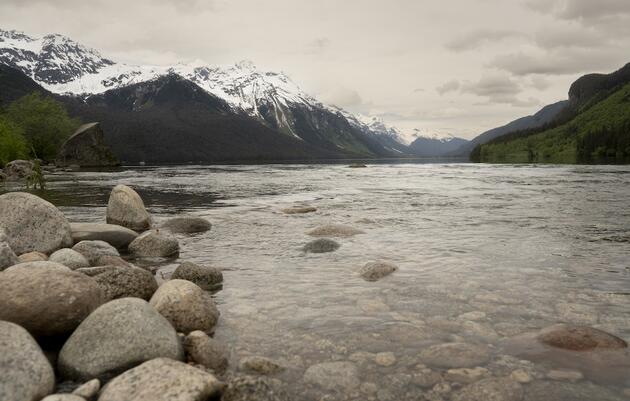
(449, 86)
(476, 39)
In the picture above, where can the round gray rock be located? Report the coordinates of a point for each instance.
(206, 351)
(162, 379)
(154, 244)
(115, 235)
(123, 281)
(26, 374)
(47, 302)
(187, 225)
(374, 271)
(186, 306)
(321, 245)
(39, 265)
(7, 256)
(117, 336)
(69, 257)
(455, 355)
(493, 389)
(260, 365)
(126, 208)
(206, 277)
(33, 224)
(337, 376)
(95, 250)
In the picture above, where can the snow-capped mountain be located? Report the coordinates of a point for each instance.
(432, 144)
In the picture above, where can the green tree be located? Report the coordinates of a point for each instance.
(12, 143)
(44, 122)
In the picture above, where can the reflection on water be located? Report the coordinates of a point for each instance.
(484, 253)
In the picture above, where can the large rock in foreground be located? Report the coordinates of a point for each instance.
(123, 281)
(125, 208)
(162, 380)
(117, 336)
(25, 373)
(579, 338)
(186, 306)
(154, 244)
(206, 277)
(47, 302)
(87, 148)
(32, 224)
(115, 235)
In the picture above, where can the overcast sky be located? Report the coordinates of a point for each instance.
(458, 66)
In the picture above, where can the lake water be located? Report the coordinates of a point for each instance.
(485, 253)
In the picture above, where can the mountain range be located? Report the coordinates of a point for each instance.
(196, 112)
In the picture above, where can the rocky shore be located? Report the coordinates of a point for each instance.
(80, 320)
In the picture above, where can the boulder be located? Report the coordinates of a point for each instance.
(492, 389)
(204, 350)
(123, 281)
(117, 236)
(39, 265)
(32, 224)
(19, 170)
(7, 256)
(25, 373)
(125, 208)
(154, 244)
(187, 225)
(115, 337)
(374, 271)
(86, 148)
(33, 257)
(69, 257)
(455, 355)
(260, 365)
(162, 379)
(47, 302)
(299, 210)
(206, 277)
(95, 250)
(186, 306)
(321, 245)
(579, 338)
(342, 377)
(334, 230)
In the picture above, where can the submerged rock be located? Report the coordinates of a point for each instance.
(337, 376)
(117, 336)
(186, 306)
(374, 271)
(206, 351)
(299, 210)
(95, 250)
(123, 281)
(579, 338)
(33, 224)
(455, 355)
(321, 245)
(248, 388)
(492, 389)
(260, 365)
(26, 374)
(334, 230)
(117, 236)
(187, 225)
(86, 148)
(206, 277)
(69, 257)
(126, 208)
(154, 244)
(47, 302)
(162, 379)
(562, 391)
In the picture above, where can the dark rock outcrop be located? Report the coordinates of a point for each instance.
(87, 148)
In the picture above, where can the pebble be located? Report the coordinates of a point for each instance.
(385, 358)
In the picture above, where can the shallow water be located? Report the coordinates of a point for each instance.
(522, 246)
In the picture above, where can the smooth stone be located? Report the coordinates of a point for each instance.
(154, 244)
(187, 225)
(466, 375)
(88, 390)
(33, 224)
(206, 351)
(7, 256)
(25, 373)
(260, 365)
(334, 230)
(63, 397)
(337, 376)
(33, 257)
(385, 358)
(39, 265)
(162, 379)
(206, 277)
(126, 208)
(493, 389)
(117, 236)
(68, 257)
(47, 302)
(123, 281)
(86, 148)
(250, 388)
(321, 245)
(94, 250)
(117, 336)
(568, 375)
(455, 355)
(111, 260)
(299, 210)
(186, 306)
(579, 338)
(374, 271)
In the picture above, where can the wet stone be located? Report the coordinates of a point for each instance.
(337, 376)
(579, 338)
(493, 389)
(455, 355)
(322, 245)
